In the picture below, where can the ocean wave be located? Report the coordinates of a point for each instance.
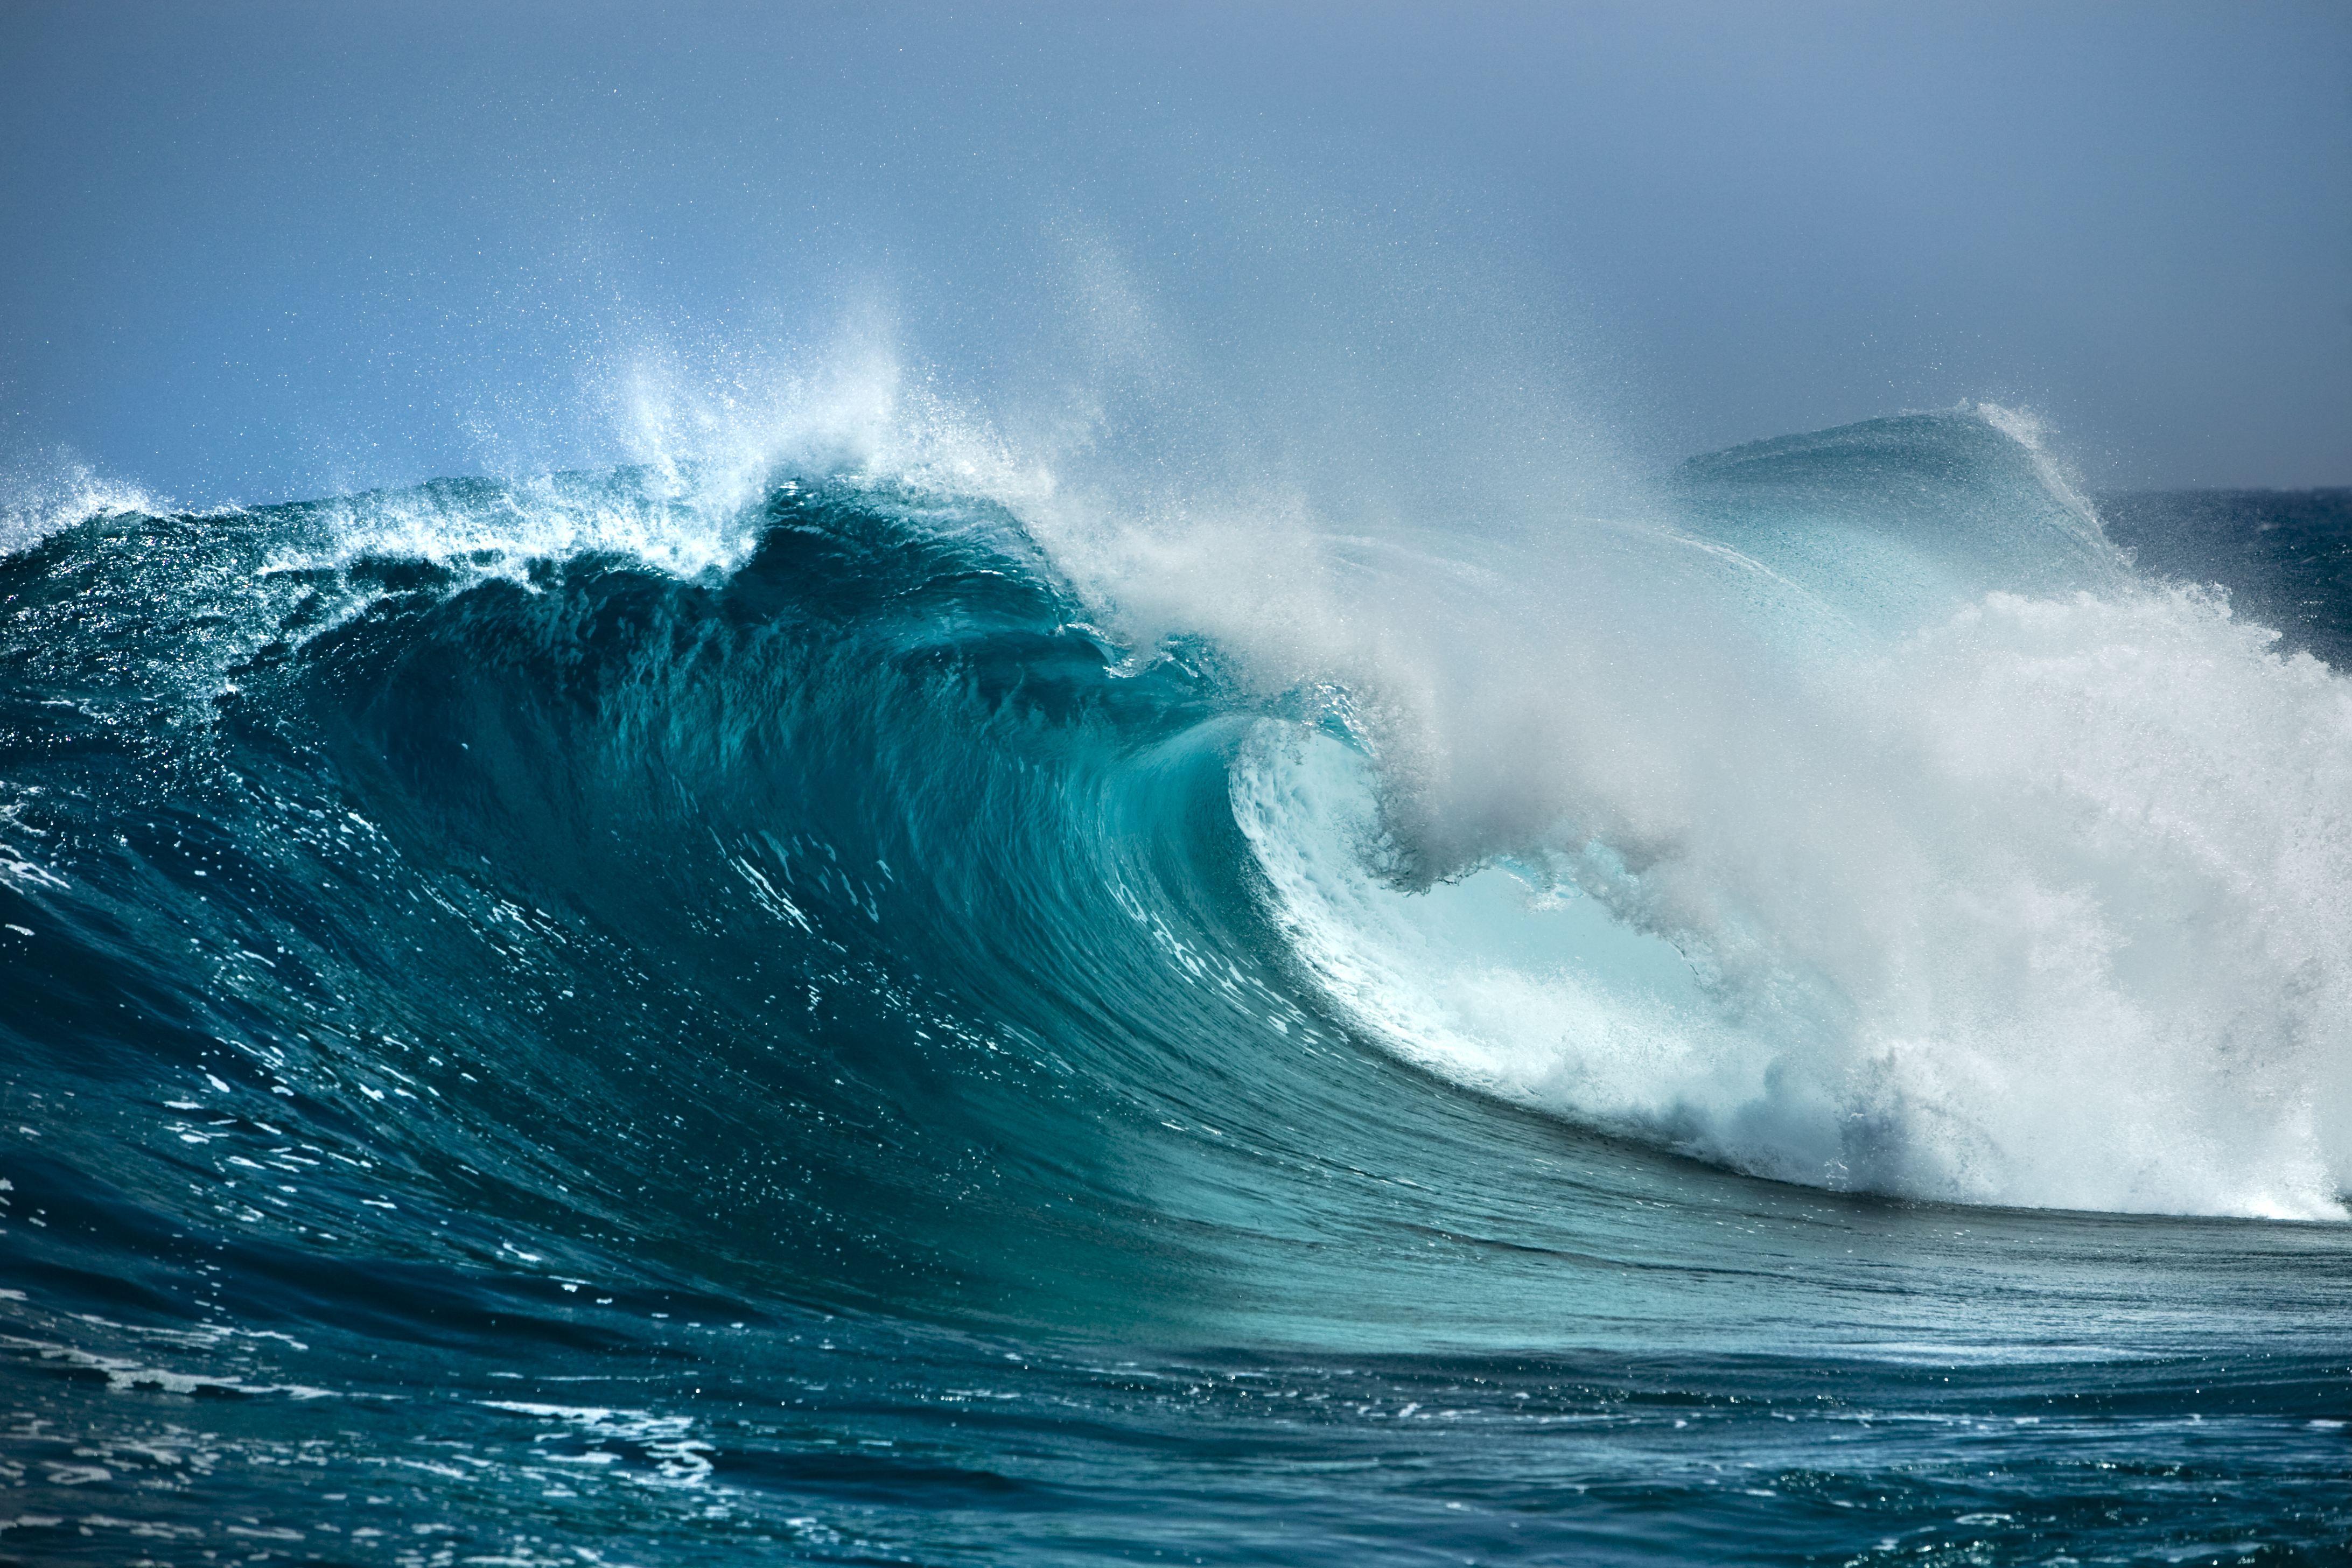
(814, 882)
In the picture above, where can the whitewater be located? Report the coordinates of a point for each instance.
(867, 988)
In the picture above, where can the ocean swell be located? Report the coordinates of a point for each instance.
(821, 884)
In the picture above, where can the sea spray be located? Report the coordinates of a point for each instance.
(1910, 881)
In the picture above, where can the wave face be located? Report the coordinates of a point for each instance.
(710, 1018)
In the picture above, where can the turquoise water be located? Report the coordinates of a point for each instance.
(631, 1019)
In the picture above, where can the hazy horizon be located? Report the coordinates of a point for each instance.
(265, 251)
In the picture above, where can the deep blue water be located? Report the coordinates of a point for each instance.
(2286, 555)
(577, 1021)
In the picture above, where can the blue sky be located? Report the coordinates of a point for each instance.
(260, 251)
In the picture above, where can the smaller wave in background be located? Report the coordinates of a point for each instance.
(2285, 556)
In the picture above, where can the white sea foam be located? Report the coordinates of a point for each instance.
(1771, 821)
(41, 494)
(2040, 906)
(702, 447)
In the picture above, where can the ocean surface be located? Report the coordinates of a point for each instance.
(830, 1012)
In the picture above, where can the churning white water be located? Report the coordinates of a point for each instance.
(1854, 838)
